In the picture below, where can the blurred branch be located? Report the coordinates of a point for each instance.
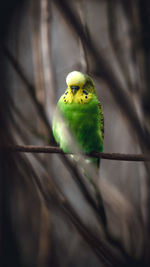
(144, 9)
(17, 119)
(36, 50)
(30, 87)
(97, 242)
(97, 206)
(82, 48)
(36, 132)
(104, 253)
(116, 44)
(57, 150)
(49, 81)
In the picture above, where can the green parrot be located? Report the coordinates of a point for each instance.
(83, 115)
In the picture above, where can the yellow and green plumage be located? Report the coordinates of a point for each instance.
(83, 114)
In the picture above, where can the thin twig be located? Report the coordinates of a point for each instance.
(57, 150)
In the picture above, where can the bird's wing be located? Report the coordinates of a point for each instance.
(101, 119)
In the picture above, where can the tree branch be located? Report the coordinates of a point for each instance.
(57, 150)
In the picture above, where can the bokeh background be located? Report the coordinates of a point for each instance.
(45, 218)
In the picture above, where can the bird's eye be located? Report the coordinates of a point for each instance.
(84, 92)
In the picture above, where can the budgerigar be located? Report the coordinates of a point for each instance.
(83, 114)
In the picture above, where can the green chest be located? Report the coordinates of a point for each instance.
(84, 122)
(80, 118)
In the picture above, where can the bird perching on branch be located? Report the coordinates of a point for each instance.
(83, 115)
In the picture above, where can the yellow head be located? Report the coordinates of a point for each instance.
(80, 88)
(75, 78)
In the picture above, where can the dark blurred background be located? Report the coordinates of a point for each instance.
(45, 219)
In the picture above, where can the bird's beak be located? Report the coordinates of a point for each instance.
(74, 89)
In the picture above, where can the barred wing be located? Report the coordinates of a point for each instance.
(101, 119)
